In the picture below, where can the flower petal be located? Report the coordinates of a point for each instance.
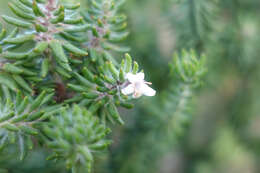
(128, 89)
(140, 76)
(147, 91)
(131, 77)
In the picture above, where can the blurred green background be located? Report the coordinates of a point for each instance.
(224, 133)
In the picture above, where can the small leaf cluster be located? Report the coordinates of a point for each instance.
(108, 28)
(100, 90)
(43, 50)
(18, 117)
(75, 135)
(187, 72)
(188, 68)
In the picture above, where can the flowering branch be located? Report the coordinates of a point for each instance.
(63, 90)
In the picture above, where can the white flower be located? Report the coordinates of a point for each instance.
(138, 86)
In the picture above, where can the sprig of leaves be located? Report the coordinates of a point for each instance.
(75, 135)
(107, 31)
(20, 117)
(48, 26)
(166, 121)
(100, 90)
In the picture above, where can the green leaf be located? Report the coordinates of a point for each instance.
(72, 6)
(16, 22)
(108, 79)
(29, 143)
(22, 7)
(37, 102)
(15, 55)
(22, 83)
(72, 37)
(99, 81)
(118, 37)
(8, 67)
(59, 10)
(26, 2)
(121, 75)
(59, 18)
(119, 27)
(135, 68)
(3, 142)
(77, 88)
(28, 72)
(100, 145)
(40, 47)
(44, 67)
(13, 33)
(34, 79)
(8, 81)
(118, 19)
(2, 34)
(95, 106)
(93, 54)
(36, 10)
(113, 70)
(81, 28)
(10, 127)
(23, 105)
(86, 152)
(35, 116)
(40, 28)
(73, 21)
(19, 118)
(75, 61)
(62, 72)
(58, 51)
(21, 147)
(114, 47)
(128, 66)
(41, 1)
(114, 113)
(90, 95)
(88, 75)
(82, 80)
(102, 89)
(21, 39)
(28, 130)
(47, 98)
(19, 98)
(95, 32)
(126, 105)
(73, 49)
(16, 10)
(7, 116)
(66, 66)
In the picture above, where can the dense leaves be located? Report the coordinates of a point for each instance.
(20, 116)
(62, 78)
(75, 135)
(46, 57)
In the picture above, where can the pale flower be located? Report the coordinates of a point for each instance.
(138, 86)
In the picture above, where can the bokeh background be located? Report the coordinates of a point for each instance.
(223, 135)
